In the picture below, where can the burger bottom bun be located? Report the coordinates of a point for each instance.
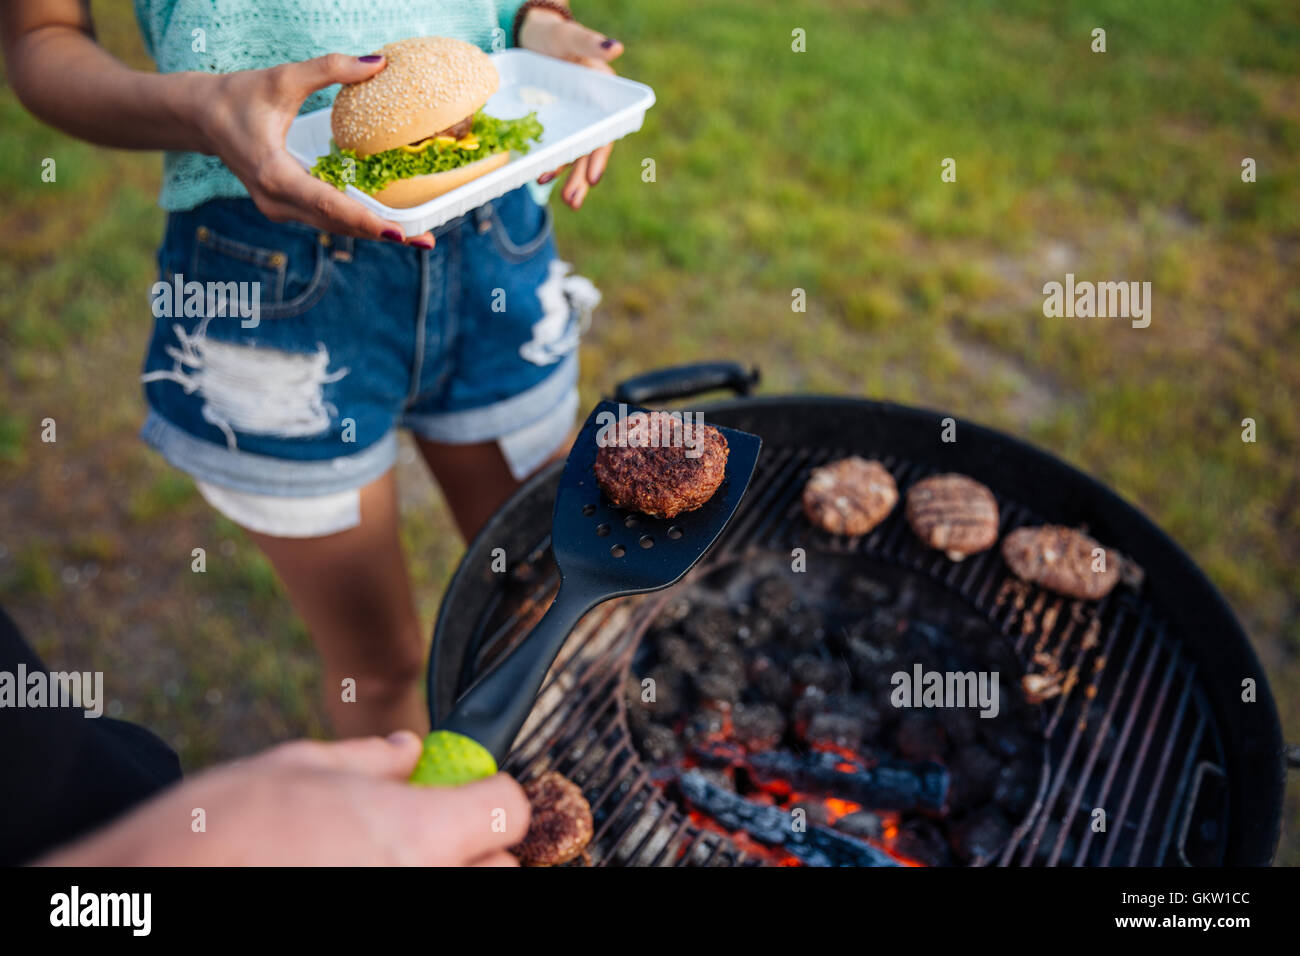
(406, 193)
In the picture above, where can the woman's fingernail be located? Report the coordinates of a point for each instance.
(607, 43)
(371, 58)
(399, 737)
(545, 178)
(421, 243)
(392, 235)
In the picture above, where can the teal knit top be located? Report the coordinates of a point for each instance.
(221, 36)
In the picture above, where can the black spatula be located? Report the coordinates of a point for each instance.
(602, 552)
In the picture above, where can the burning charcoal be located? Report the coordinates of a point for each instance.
(814, 811)
(638, 713)
(920, 737)
(710, 626)
(671, 614)
(1015, 789)
(862, 824)
(657, 742)
(754, 631)
(718, 776)
(974, 776)
(810, 702)
(960, 724)
(981, 835)
(863, 589)
(921, 841)
(705, 724)
(758, 726)
(1010, 744)
(803, 631)
(812, 671)
(813, 845)
(669, 692)
(773, 596)
(675, 651)
(717, 685)
(835, 730)
(872, 664)
(771, 680)
(887, 785)
(727, 661)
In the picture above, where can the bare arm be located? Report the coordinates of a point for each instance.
(66, 79)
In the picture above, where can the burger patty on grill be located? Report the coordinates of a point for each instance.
(850, 496)
(650, 464)
(1061, 559)
(561, 825)
(953, 514)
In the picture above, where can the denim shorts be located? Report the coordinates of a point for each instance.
(283, 359)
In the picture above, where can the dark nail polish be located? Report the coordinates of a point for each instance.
(392, 235)
(371, 58)
(421, 243)
(545, 178)
(608, 42)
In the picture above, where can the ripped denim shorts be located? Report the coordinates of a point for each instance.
(283, 359)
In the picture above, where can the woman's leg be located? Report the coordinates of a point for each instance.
(353, 591)
(474, 478)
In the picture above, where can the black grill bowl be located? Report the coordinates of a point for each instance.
(1194, 612)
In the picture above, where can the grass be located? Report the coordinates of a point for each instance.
(774, 171)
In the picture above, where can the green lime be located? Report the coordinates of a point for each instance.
(450, 759)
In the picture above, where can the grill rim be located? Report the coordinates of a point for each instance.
(1192, 606)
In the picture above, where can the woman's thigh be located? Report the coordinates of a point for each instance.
(352, 590)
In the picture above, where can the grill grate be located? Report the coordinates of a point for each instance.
(1130, 732)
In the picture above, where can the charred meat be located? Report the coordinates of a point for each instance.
(659, 465)
(561, 825)
(850, 496)
(1062, 559)
(953, 514)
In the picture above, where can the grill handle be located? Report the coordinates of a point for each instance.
(683, 381)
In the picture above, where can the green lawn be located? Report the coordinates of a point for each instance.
(775, 170)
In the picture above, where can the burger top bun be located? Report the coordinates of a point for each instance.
(426, 85)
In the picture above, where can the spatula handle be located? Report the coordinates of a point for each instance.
(497, 704)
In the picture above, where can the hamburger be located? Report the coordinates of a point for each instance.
(416, 129)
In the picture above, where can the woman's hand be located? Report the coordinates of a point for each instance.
(242, 118)
(545, 31)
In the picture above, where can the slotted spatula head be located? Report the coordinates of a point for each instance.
(601, 548)
(603, 552)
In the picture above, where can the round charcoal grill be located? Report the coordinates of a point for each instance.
(1150, 725)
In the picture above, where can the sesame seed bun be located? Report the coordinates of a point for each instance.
(426, 85)
(405, 193)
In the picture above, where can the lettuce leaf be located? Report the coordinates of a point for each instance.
(373, 173)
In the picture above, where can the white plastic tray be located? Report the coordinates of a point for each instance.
(589, 110)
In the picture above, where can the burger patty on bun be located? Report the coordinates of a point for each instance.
(416, 129)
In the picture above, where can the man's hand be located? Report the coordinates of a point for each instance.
(545, 31)
(316, 804)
